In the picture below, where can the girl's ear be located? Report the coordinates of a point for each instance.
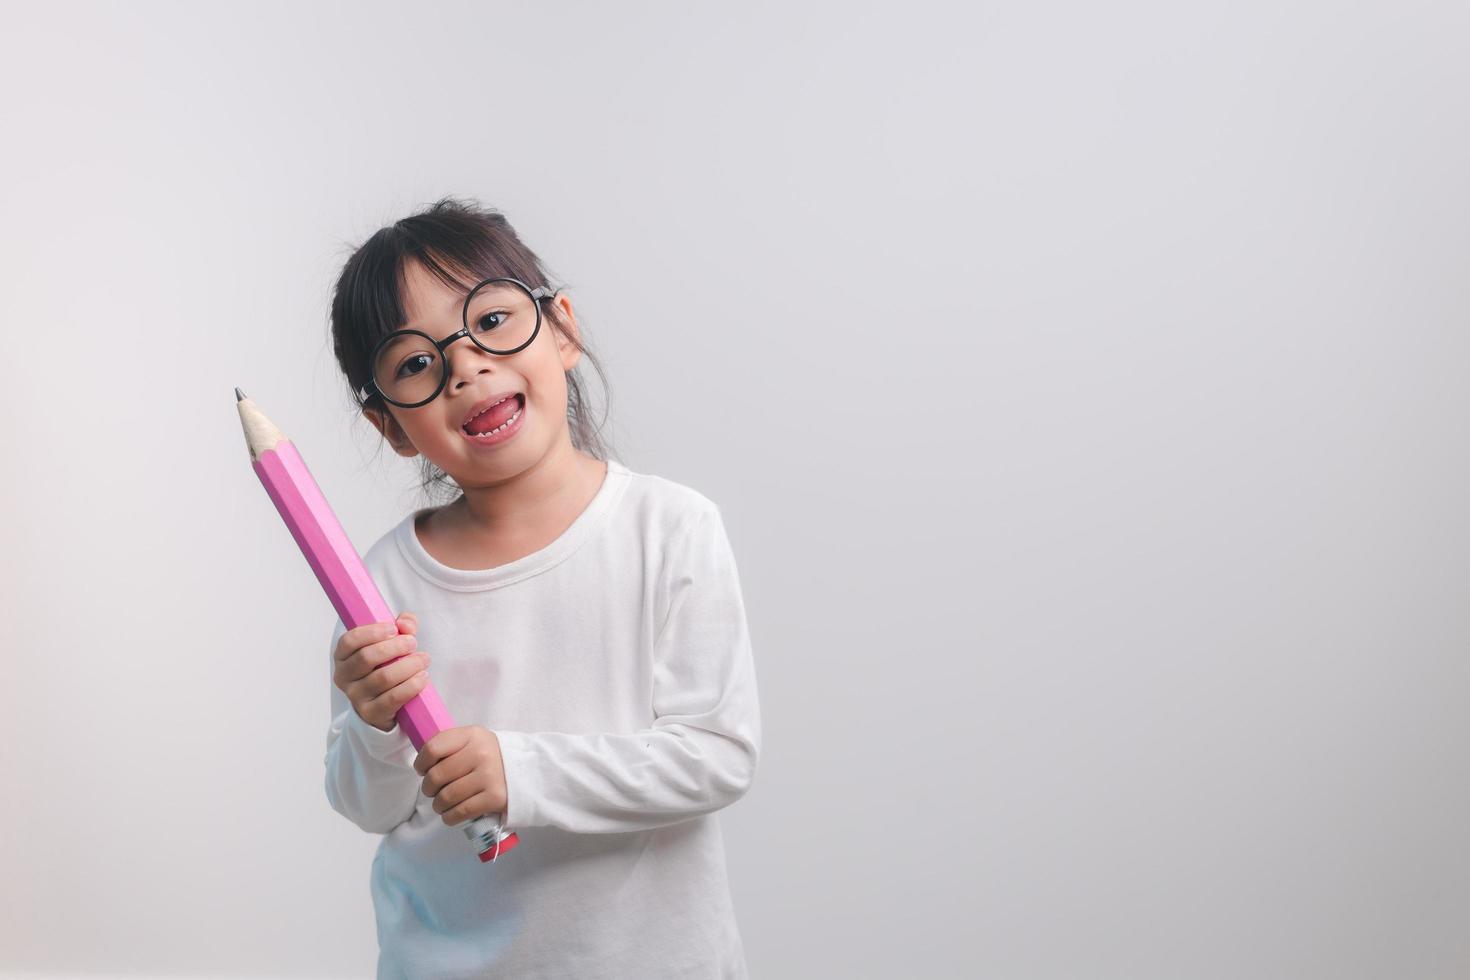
(391, 431)
(566, 318)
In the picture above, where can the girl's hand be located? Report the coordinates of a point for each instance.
(377, 668)
(464, 773)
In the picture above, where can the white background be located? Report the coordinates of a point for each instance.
(1083, 386)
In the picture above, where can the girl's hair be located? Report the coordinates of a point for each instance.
(367, 303)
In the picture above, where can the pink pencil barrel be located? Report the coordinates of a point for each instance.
(346, 581)
(340, 570)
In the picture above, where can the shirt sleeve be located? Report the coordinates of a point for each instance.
(700, 753)
(370, 778)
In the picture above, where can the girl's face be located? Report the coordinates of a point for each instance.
(537, 374)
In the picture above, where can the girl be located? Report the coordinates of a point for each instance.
(588, 634)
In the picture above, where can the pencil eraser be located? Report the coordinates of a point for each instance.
(488, 854)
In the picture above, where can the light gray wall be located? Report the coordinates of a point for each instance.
(1083, 385)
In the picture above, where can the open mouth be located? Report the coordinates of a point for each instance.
(497, 421)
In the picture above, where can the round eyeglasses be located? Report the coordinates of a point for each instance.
(409, 368)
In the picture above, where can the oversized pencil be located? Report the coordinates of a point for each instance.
(342, 574)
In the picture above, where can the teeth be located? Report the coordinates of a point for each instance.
(499, 428)
(484, 410)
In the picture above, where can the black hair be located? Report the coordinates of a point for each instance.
(367, 303)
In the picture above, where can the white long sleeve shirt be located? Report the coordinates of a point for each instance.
(615, 667)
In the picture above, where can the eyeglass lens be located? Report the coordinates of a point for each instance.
(501, 316)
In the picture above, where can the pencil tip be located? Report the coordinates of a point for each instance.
(239, 395)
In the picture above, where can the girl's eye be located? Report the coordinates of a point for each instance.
(411, 360)
(490, 321)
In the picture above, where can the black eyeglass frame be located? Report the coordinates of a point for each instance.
(537, 295)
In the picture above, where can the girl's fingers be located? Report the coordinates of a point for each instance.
(405, 692)
(374, 656)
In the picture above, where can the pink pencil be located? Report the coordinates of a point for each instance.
(340, 570)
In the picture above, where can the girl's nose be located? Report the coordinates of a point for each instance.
(464, 360)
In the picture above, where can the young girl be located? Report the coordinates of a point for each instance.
(587, 630)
